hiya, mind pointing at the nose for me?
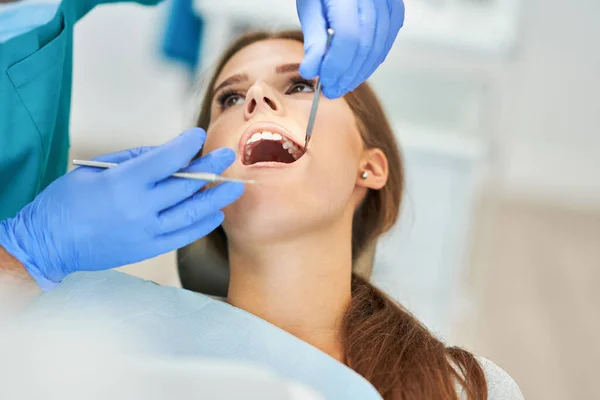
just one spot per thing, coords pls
(261, 99)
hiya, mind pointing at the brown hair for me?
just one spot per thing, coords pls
(382, 341)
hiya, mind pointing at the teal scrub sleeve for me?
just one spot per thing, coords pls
(82, 7)
(35, 95)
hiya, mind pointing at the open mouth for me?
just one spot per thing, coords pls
(268, 146)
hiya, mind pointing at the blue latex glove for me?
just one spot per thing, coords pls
(365, 31)
(93, 219)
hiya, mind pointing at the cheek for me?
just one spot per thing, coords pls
(335, 163)
(338, 144)
(212, 142)
(217, 137)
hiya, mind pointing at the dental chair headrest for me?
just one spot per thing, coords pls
(202, 270)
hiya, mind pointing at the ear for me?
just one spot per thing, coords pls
(373, 170)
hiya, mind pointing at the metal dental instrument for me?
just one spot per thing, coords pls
(315, 104)
(199, 176)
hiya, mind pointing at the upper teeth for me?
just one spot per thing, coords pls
(264, 136)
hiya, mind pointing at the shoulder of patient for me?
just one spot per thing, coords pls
(501, 386)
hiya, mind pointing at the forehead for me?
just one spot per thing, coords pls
(261, 58)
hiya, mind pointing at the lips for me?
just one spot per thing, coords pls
(269, 144)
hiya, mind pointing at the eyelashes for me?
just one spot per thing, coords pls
(224, 100)
(298, 81)
(297, 84)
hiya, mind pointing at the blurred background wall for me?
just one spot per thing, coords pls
(496, 106)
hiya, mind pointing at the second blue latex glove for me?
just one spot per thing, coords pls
(93, 219)
(365, 31)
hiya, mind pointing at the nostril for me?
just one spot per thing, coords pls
(271, 103)
(251, 106)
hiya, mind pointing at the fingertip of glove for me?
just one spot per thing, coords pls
(194, 134)
(236, 190)
(331, 92)
(225, 155)
(192, 139)
(231, 192)
(309, 69)
(227, 152)
(219, 217)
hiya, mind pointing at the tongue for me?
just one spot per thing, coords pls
(270, 151)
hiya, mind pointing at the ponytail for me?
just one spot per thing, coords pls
(396, 353)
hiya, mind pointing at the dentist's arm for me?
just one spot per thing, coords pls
(365, 31)
(17, 287)
(92, 219)
(12, 271)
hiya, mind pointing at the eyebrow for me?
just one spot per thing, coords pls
(239, 78)
(285, 68)
(232, 80)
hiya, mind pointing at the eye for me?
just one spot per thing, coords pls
(229, 99)
(300, 85)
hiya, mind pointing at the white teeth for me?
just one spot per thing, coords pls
(254, 138)
(264, 136)
(291, 146)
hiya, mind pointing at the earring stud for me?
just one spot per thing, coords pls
(365, 175)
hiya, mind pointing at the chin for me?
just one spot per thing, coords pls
(280, 213)
(277, 213)
(258, 230)
(265, 212)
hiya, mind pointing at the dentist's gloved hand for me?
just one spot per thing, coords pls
(93, 219)
(365, 31)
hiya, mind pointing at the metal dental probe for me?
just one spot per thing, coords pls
(315, 104)
(199, 176)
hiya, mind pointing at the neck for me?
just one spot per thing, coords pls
(301, 286)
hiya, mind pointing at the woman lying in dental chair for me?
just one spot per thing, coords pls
(293, 241)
